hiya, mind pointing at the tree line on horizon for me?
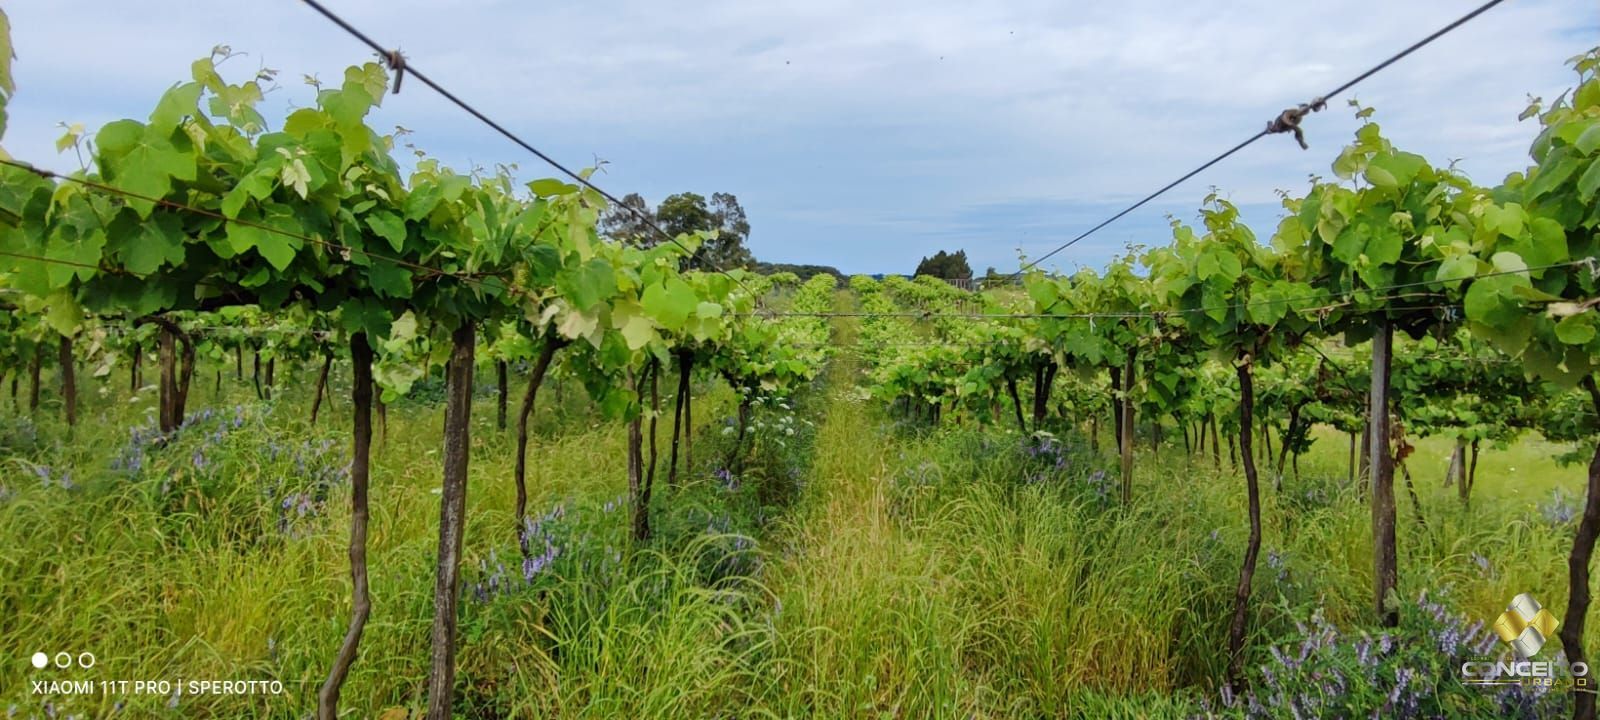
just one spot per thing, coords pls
(689, 212)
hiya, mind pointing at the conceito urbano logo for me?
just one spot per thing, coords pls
(1525, 626)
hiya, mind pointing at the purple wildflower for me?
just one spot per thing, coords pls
(1559, 510)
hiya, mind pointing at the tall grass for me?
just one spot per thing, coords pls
(862, 569)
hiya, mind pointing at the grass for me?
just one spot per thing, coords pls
(856, 568)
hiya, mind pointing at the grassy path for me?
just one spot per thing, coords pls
(860, 628)
(951, 600)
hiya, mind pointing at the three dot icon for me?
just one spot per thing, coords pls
(62, 660)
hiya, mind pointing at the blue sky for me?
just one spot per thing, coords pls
(862, 135)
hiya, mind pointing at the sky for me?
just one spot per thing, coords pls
(861, 135)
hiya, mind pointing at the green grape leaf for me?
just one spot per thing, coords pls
(278, 249)
(159, 241)
(1547, 363)
(1492, 301)
(1392, 170)
(204, 71)
(543, 262)
(548, 187)
(422, 200)
(1556, 168)
(81, 249)
(258, 277)
(242, 237)
(452, 186)
(581, 324)
(1385, 246)
(180, 101)
(1528, 292)
(578, 232)
(1576, 329)
(1267, 308)
(1589, 182)
(278, 245)
(69, 138)
(254, 185)
(1206, 265)
(396, 376)
(237, 104)
(1346, 164)
(1456, 268)
(371, 78)
(638, 331)
(143, 162)
(587, 285)
(1381, 177)
(118, 137)
(1043, 292)
(1508, 220)
(64, 315)
(152, 297)
(8, 85)
(347, 107)
(303, 121)
(1589, 139)
(670, 303)
(365, 314)
(1351, 243)
(403, 329)
(1510, 339)
(1227, 263)
(1406, 166)
(389, 280)
(1546, 243)
(1508, 262)
(389, 227)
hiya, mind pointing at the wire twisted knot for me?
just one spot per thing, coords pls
(1288, 121)
(397, 65)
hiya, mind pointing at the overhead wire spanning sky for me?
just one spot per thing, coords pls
(862, 138)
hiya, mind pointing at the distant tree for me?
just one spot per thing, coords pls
(688, 213)
(958, 267)
(684, 213)
(629, 221)
(728, 250)
(993, 279)
(625, 223)
(945, 265)
(804, 272)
